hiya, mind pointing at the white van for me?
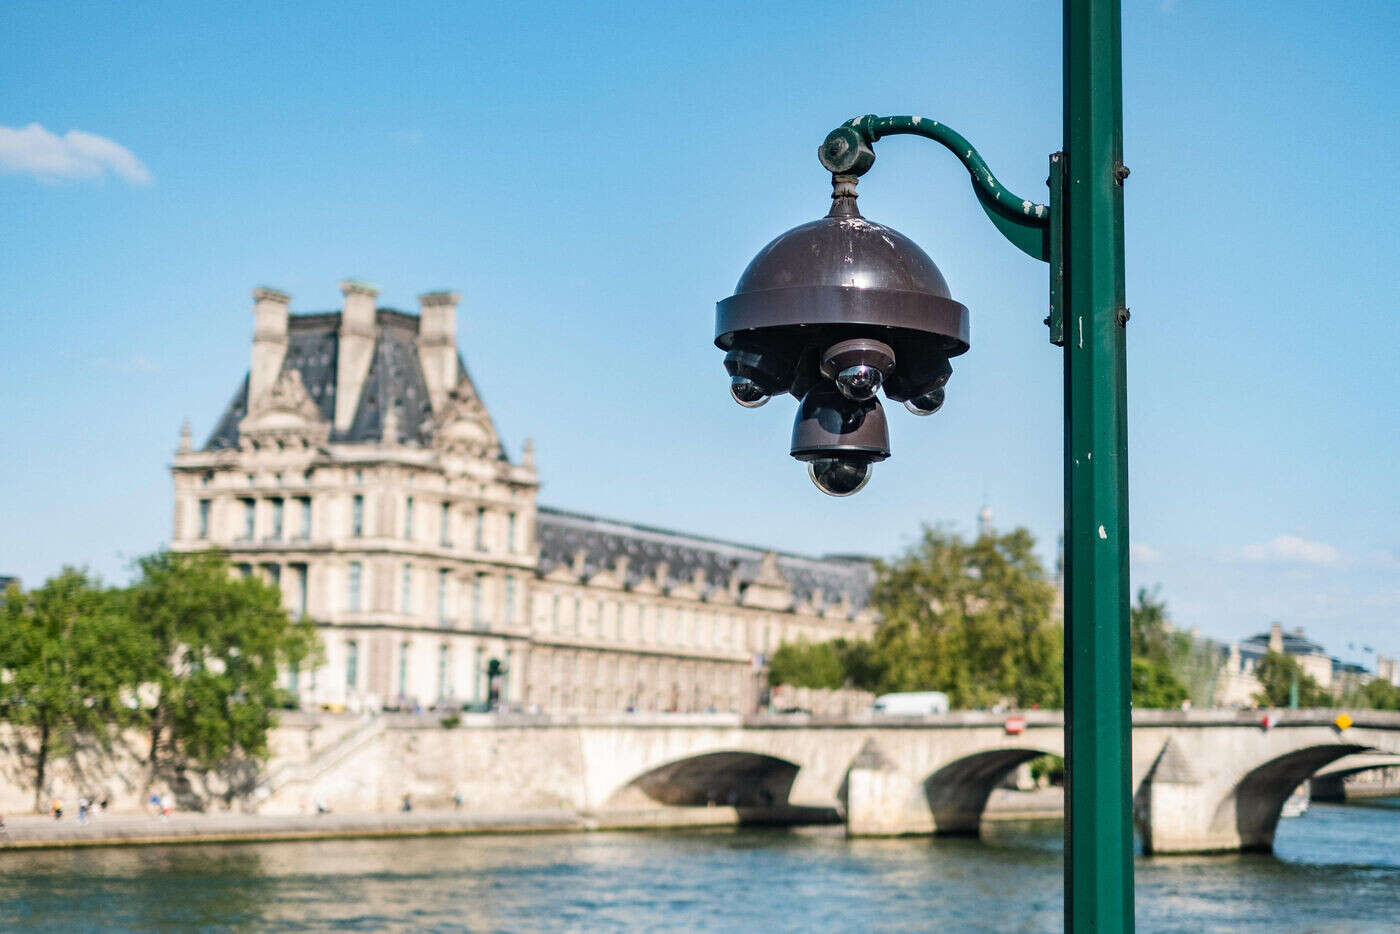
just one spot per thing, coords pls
(911, 703)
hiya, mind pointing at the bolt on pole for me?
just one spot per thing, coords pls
(1098, 826)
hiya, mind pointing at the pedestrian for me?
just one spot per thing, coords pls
(154, 802)
(457, 800)
(167, 805)
(83, 809)
(56, 806)
(407, 804)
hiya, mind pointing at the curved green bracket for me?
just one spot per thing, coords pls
(847, 151)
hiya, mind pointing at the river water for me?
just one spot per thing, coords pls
(1335, 869)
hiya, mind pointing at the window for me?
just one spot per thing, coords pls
(357, 515)
(250, 508)
(406, 589)
(578, 616)
(478, 599)
(442, 596)
(480, 528)
(554, 613)
(601, 632)
(245, 571)
(353, 597)
(359, 476)
(510, 532)
(304, 507)
(299, 587)
(294, 679)
(510, 600)
(352, 665)
(277, 519)
(404, 648)
(274, 574)
(444, 672)
(476, 675)
(408, 518)
(204, 507)
(445, 525)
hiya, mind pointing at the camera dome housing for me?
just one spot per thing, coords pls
(836, 279)
(836, 311)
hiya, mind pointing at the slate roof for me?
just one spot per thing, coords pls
(563, 534)
(395, 379)
(1293, 644)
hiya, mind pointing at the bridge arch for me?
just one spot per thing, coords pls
(957, 793)
(1256, 802)
(728, 778)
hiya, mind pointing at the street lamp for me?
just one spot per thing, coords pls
(839, 309)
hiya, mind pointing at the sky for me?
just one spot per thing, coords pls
(593, 177)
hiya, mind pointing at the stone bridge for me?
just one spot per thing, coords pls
(1202, 780)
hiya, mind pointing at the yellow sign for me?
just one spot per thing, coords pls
(1342, 721)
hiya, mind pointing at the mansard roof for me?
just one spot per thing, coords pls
(563, 535)
(1294, 643)
(395, 379)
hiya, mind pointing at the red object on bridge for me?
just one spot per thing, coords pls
(1267, 722)
(1015, 725)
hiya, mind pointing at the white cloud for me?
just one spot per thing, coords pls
(1290, 549)
(48, 157)
(1143, 553)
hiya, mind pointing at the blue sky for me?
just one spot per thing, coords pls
(593, 178)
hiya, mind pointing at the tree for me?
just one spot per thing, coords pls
(1154, 685)
(1277, 674)
(808, 664)
(970, 619)
(217, 644)
(1379, 694)
(1147, 620)
(72, 662)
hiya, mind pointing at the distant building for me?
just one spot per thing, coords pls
(1238, 684)
(6, 580)
(358, 469)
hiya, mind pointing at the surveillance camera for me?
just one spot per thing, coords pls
(755, 376)
(835, 312)
(840, 438)
(840, 476)
(858, 367)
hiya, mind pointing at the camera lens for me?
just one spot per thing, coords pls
(926, 403)
(746, 392)
(859, 383)
(839, 476)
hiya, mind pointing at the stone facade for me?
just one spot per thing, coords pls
(357, 468)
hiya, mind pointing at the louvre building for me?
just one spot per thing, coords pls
(356, 468)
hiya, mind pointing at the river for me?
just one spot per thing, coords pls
(1335, 869)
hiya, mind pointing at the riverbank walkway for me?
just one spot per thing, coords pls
(34, 832)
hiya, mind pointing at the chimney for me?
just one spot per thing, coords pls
(356, 348)
(1276, 638)
(269, 340)
(437, 343)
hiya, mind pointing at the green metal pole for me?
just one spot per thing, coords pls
(1098, 725)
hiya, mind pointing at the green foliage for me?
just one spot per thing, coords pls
(970, 619)
(1379, 694)
(1051, 766)
(450, 722)
(72, 661)
(1155, 686)
(1277, 673)
(217, 643)
(1172, 657)
(809, 664)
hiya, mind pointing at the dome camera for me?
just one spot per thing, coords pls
(858, 367)
(839, 438)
